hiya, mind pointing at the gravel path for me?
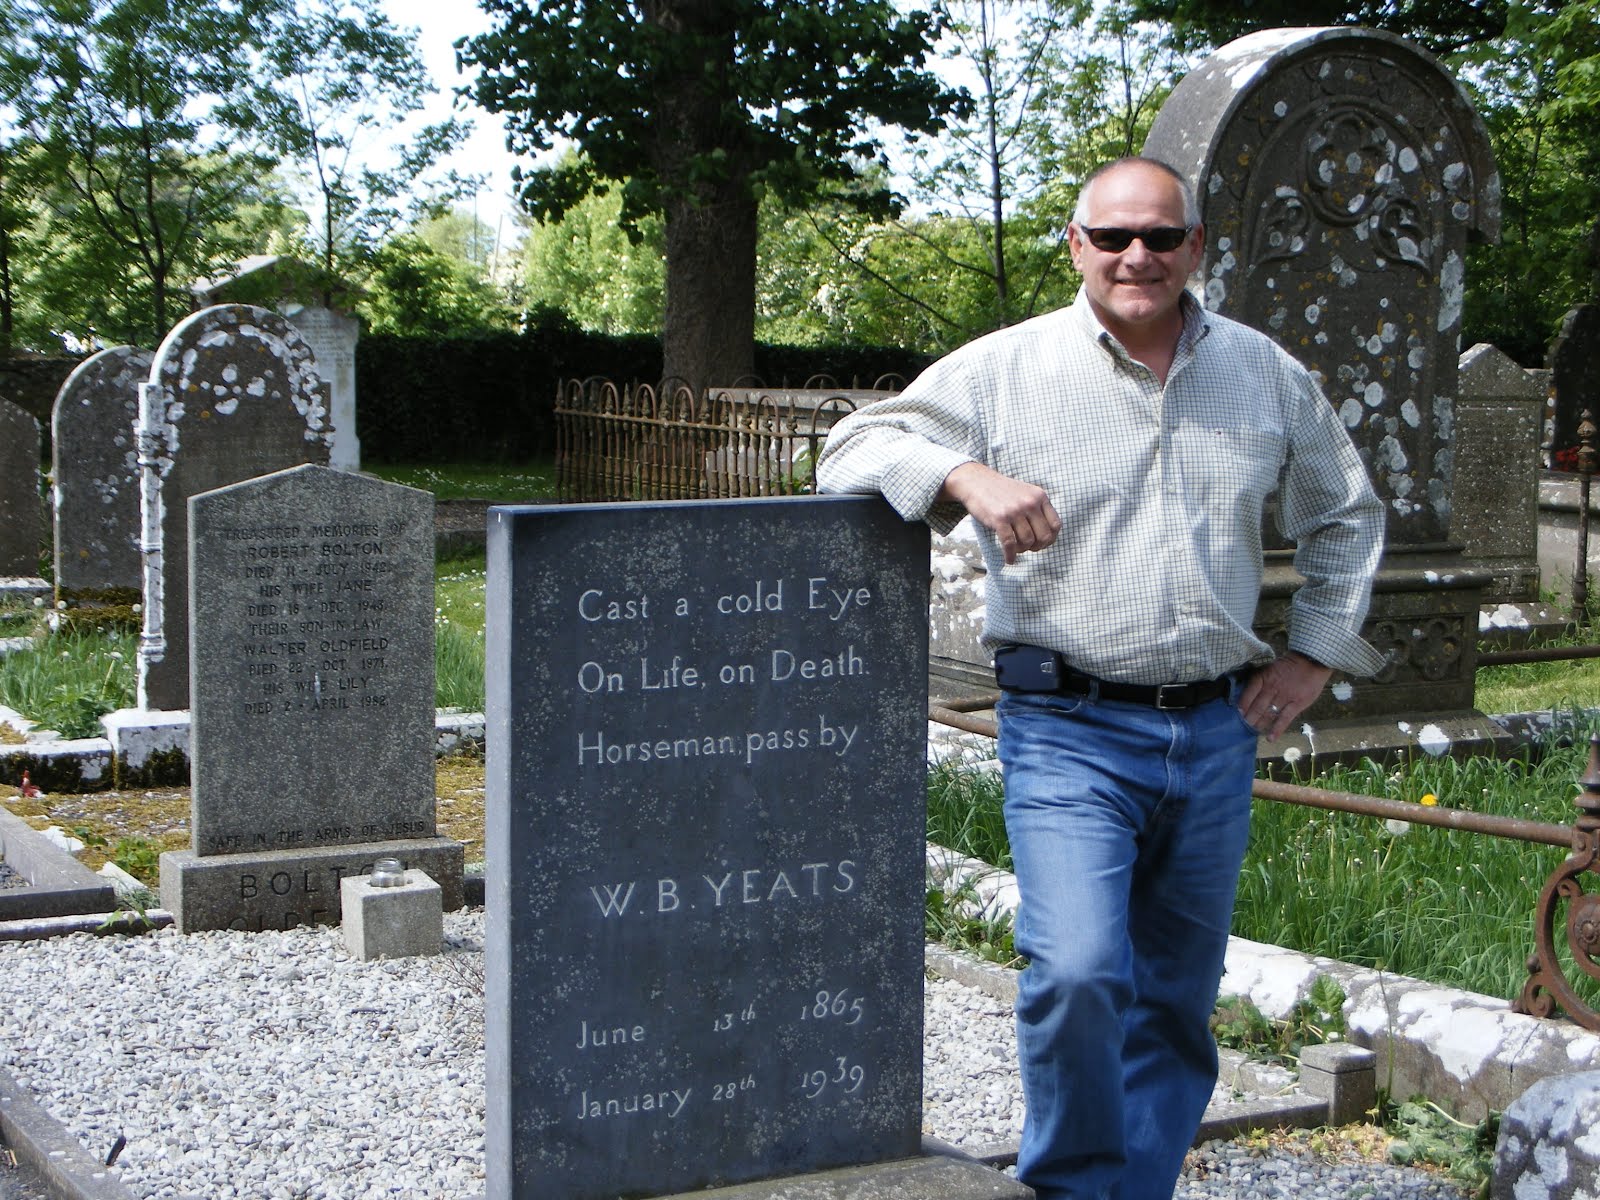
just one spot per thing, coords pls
(274, 1065)
(9, 878)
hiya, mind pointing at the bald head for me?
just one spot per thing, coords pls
(1191, 206)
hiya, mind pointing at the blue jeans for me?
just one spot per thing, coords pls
(1128, 828)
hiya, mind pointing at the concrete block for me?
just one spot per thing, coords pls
(392, 920)
(1549, 1147)
(1345, 1076)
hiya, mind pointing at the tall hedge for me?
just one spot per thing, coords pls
(488, 398)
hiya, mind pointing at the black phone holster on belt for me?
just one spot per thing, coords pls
(1027, 669)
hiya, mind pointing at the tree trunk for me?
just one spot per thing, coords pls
(708, 332)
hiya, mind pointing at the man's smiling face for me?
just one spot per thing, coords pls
(1135, 293)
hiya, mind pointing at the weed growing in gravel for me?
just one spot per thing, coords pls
(1319, 1018)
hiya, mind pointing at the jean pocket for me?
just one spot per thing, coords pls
(1022, 705)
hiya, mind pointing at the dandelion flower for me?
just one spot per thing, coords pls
(1429, 799)
(1397, 828)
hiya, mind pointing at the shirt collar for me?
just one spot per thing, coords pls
(1196, 322)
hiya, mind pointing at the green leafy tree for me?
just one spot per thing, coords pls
(414, 288)
(1538, 91)
(988, 172)
(695, 109)
(1055, 100)
(130, 104)
(1440, 25)
(584, 265)
(341, 77)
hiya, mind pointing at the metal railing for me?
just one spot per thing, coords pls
(637, 442)
(1548, 984)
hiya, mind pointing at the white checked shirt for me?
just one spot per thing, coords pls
(1157, 570)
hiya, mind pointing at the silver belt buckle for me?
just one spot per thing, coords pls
(1177, 690)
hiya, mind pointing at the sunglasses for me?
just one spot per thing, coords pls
(1162, 239)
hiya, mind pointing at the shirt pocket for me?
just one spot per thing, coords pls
(1225, 469)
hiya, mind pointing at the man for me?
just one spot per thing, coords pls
(1116, 456)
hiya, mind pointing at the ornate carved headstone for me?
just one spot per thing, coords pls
(312, 738)
(705, 795)
(97, 473)
(1341, 173)
(231, 396)
(21, 512)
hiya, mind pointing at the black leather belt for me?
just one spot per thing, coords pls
(1157, 695)
(1035, 669)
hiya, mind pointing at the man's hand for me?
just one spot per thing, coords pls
(1280, 692)
(1019, 514)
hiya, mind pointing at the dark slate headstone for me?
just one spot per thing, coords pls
(706, 814)
(1575, 376)
(312, 667)
(231, 396)
(97, 473)
(21, 513)
(1341, 173)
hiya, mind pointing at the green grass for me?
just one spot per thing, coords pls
(458, 633)
(1451, 907)
(68, 681)
(504, 484)
(1529, 687)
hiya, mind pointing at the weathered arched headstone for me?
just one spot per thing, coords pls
(1341, 173)
(231, 396)
(97, 473)
(21, 514)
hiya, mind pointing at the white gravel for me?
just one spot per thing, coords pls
(275, 1066)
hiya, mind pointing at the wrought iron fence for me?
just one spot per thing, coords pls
(637, 442)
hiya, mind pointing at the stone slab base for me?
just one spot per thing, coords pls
(947, 1177)
(1460, 734)
(279, 889)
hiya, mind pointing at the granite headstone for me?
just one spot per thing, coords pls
(1342, 173)
(97, 474)
(1575, 377)
(21, 512)
(706, 812)
(332, 336)
(312, 673)
(231, 395)
(1495, 502)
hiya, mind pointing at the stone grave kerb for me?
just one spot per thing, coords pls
(1341, 173)
(95, 494)
(232, 394)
